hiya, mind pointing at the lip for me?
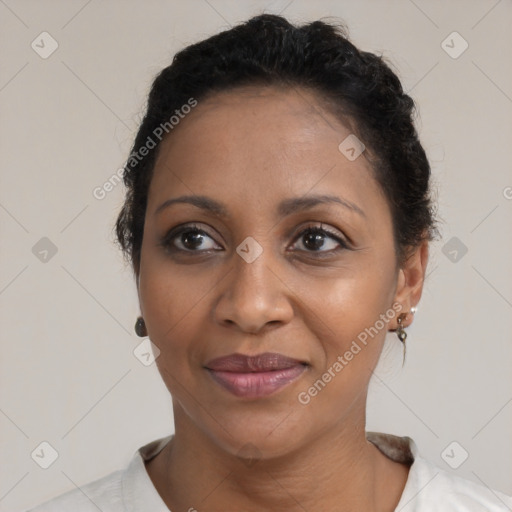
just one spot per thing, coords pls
(255, 376)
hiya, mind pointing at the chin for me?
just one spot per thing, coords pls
(259, 435)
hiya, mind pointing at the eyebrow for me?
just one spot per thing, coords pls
(286, 207)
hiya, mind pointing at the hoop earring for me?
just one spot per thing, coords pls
(140, 327)
(400, 332)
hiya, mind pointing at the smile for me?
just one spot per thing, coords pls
(255, 376)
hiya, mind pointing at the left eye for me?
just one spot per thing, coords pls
(314, 239)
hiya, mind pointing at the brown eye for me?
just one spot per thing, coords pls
(188, 239)
(320, 240)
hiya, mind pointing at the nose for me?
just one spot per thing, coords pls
(253, 296)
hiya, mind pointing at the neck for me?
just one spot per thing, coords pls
(338, 470)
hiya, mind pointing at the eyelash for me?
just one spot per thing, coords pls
(168, 239)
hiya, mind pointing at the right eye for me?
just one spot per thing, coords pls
(187, 239)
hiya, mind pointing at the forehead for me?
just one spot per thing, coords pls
(295, 113)
(255, 145)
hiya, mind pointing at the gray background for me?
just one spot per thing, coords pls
(69, 376)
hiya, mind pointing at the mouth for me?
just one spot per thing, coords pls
(255, 376)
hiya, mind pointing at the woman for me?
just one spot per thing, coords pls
(278, 219)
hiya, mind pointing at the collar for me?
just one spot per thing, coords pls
(139, 493)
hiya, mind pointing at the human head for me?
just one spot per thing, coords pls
(307, 84)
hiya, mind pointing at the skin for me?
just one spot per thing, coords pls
(250, 149)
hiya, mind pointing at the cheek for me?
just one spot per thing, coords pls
(168, 291)
(350, 324)
(174, 303)
(349, 303)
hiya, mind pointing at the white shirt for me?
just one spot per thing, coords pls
(428, 488)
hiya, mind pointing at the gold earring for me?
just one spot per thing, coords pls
(140, 327)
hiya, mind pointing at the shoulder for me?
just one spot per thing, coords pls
(430, 487)
(103, 494)
(445, 491)
(125, 490)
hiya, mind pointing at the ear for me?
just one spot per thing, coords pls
(411, 277)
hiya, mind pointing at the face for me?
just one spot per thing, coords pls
(266, 263)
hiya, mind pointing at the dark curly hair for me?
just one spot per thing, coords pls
(357, 86)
